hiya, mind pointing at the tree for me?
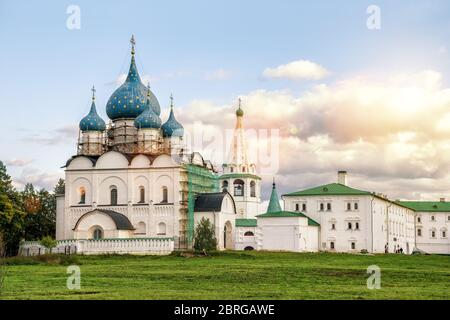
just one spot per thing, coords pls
(205, 239)
(40, 209)
(60, 187)
(49, 243)
(12, 222)
(11, 215)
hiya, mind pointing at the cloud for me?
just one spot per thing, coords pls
(62, 135)
(38, 178)
(392, 135)
(217, 75)
(297, 70)
(18, 162)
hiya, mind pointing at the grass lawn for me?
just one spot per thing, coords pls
(231, 275)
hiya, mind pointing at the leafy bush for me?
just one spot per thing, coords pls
(48, 242)
(205, 239)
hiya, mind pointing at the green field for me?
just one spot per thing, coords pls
(230, 275)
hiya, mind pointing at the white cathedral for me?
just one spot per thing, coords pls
(133, 187)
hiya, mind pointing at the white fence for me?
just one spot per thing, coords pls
(144, 246)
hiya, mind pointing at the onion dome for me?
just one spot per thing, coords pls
(239, 111)
(130, 99)
(148, 119)
(172, 128)
(92, 122)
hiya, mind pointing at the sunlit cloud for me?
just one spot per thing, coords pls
(297, 70)
(391, 134)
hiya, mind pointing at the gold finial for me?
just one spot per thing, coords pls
(171, 101)
(148, 89)
(133, 42)
(239, 102)
(93, 93)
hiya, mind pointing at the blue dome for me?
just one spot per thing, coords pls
(148, 119)
(129, 100)
(92, 122)
(172, 128)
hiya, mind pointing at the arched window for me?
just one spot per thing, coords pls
(165, 197)
(113, 191)
(238, 188)
(249, 234)
(161, 229)
(444, 233)
(140, 228)
(225, 186)
(141, 194)
(97, 234)
(82, 196)
(252, 189)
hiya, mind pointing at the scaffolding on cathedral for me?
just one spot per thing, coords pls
(199, 180)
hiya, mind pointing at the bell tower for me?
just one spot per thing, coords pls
(239, 176)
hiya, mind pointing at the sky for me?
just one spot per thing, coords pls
(340, 95)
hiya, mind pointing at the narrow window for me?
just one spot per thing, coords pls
(353, 246)
(357, 226)
(432, 218)
(349, 206)
(303, 207)
(433, 234)
(113, 196)
(419, 232)
(321, 207)
(252, 189)
(356, 206)
(141, 194)
(349, 226)
(164, 195)
(297, 207)
(331, 245)
(444, 234)
(82, 196)
(328, 206)
(333, 226)
(418, 219)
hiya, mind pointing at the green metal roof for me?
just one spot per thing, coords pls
(245, 222)
(288, 214)
(274, 203)
(427, 206)
(240, 175)
(332, 189)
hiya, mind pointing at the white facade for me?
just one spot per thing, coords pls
(432, 232)
(355, 223)
(287, 234)
(157, 181)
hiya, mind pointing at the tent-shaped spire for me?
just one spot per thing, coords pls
(274, 203)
